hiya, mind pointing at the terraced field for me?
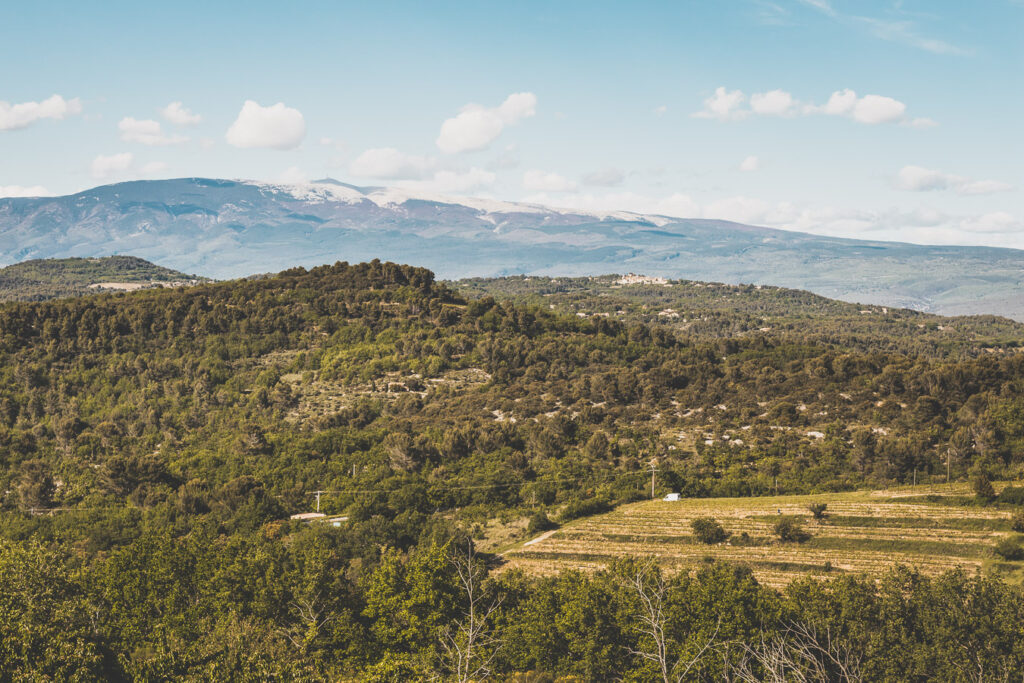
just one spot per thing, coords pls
(931, 528)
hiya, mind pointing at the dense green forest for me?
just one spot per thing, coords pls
(41, 279)
(153, 444)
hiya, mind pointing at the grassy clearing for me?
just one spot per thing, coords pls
(933, 528)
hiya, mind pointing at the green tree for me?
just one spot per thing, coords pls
(788, 529)
(410, 602)
(708, 530)
(45, 629)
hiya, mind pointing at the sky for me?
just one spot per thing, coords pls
(896, 120)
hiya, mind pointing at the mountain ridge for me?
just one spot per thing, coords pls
(232, 228)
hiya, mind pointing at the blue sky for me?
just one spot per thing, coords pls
(881, 120)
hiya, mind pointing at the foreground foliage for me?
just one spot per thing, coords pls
(255, 608)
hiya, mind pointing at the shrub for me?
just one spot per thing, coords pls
(1009, 548)
(983, 488)
(585, 508)
(1017, 524)
(708, 531)
(818, 510)
(788, 530)
(1012, 495)
(539, 523)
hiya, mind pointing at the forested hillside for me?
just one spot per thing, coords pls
(152, 445)
(697, 311)
(41, 279)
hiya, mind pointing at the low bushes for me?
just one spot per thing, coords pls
(708, 531)
(788, 530)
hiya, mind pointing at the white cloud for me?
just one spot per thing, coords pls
(749, 210)
(773, 103)
(541, 181)
(147, 132)
(180, 115)
(273, 127)
(840, 103)
(24, 191)
(724, 105)
(475, 126)
(903, 32)
(508, 159)
(870, 109)
(751, 163)
(452, 181)
(15, 116)
(293, 175)
(608, 177)
(918, 179)
(153, 168)
(823, 5)
(874, 109)
(389, 164)
(660, 110)
(676, 204)
(984, 187)
(919, 225)
(996, 221)
(897, 31)
(727, 105)
(105, 166)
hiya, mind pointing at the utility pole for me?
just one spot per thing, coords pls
(317, 494)
(654, 469)
(949, 455)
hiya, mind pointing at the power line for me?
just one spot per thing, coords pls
(482, 486)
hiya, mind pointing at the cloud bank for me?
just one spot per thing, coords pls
(387, 163)
(24, 191)
(734, 105)
(918, 179)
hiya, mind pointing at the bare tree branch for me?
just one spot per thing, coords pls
(470, 643)
(650, 588)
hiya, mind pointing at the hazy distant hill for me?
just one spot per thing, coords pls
(41, 279)
(226, 228)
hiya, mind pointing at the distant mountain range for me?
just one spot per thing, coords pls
(228, 228)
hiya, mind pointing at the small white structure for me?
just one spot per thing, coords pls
(320, 518)
(308, 516)
(634, 279)
(671, 497)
